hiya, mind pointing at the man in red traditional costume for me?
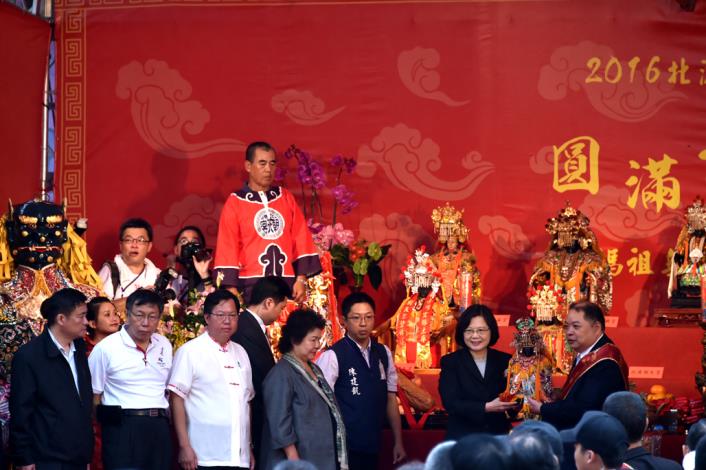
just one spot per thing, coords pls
(262, 231)
(598, 371)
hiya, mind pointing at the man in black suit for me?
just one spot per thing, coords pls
(630, 409)
(52, 400)
(598, 371)
(267, 300)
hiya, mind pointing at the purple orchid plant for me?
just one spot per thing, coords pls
(313, 179)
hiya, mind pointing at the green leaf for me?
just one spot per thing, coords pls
(360, 267)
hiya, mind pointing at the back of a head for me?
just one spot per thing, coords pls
(549, 432)
(440, 457)
(531, 449)
(480, 452)
(696, 432)
(295, 465)
(269, 287)
(630, 410)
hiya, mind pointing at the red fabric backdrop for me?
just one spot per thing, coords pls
(462, 101)
(24, 48)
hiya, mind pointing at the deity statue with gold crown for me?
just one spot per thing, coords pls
(321, 298)
(573, 268)
(40, 254)
(688, 263)
(421, 315)
(460, 278)
(529, 373)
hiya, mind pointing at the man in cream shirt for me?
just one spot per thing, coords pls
(211, 388)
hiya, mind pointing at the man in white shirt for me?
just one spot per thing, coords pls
(130, 270)
(129, 371)
(211, 388)
(362, 374)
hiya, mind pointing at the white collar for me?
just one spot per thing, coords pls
(362, 349)
(72, 348)
(580, 356)
(127, 339)
(216, 345)
(259, 320)
(123, 267)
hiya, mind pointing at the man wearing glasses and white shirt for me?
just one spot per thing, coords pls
(211, 388)
(129, 373)
(130, 270)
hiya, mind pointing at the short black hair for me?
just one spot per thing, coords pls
(250, 151)
(630, 410)
(591, 311)
(194, 228)
(136, 222)
(144, 297)
(546, 430)
(63, 302)
(218, 296)
(269, 287)
(532, 450)
(299, 324)
(481, 451)
(696, 432)
(356, 298)
(469, 314)
(94, 306)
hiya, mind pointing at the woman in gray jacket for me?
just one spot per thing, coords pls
(303, 419)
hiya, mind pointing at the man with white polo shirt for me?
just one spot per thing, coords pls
(129, 371)
(211, 388)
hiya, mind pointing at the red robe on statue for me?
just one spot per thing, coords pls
(263, 233)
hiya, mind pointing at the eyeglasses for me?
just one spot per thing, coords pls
(133, 241)
(358, 319)
(476, 331)
(224, 316)
(140, 317)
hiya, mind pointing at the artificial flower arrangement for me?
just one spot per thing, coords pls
(183, 323)
(352, 259)
(545, 302)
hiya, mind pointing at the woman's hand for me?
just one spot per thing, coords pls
(497, 406)
(202, 267)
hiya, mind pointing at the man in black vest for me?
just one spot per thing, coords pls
(52, 400)
(267, 299)
(363, 376)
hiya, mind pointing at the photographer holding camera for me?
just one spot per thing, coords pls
(192, 263)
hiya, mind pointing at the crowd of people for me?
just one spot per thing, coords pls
(224, 401)
(92, 391)
(330, 416)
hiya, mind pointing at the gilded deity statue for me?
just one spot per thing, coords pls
(529, 373)
(40, 254)
(321, 298)
(688, 264)
(573, 268)
(460, 278)
(421, 316)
